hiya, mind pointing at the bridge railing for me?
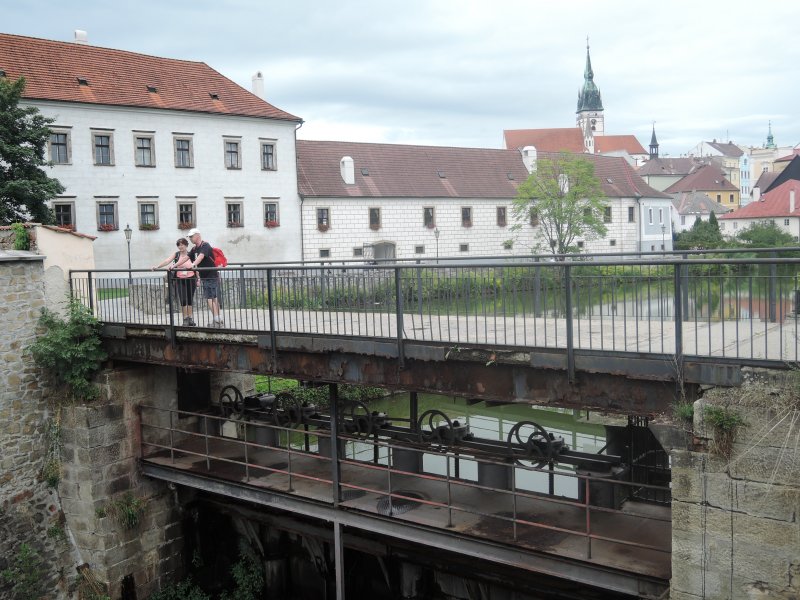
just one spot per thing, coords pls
(737, 308)
(526, 504)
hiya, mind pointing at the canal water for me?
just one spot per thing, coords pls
(492, 423)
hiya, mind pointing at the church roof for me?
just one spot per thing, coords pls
(611, 143)
(555, 139)
(70, 72)
(775, 203)
(706, 178)
(589, 96)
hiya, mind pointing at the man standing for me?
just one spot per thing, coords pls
(202, 256)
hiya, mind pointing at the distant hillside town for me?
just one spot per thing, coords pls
(159, 146)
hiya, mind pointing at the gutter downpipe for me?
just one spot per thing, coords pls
(299, 195)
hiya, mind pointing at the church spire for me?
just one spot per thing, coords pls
(589, 95)
(770, 139)
(654, 143)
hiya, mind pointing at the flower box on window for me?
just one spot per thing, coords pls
(271, 224)
(148, 227)
(185, 225)
(67, 226)
(235, 224)
(107, 227)
(374, 226)
(430, 225)
(323, 227)
(467, 223)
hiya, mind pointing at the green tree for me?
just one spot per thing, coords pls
(764, 235)
(24, 187)
(564, 199)
(704, 235)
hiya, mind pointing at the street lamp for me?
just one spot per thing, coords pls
(663, 242)
(436, 235)
(128, 232)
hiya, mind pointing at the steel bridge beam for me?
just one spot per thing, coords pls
(514, 376)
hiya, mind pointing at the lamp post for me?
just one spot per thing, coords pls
(663, 242)
(436, 235)
(128, 232)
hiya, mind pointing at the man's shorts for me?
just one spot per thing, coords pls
(210, 287)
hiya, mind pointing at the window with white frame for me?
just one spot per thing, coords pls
(271, 215)
(419, 249)
(786, 222)
(357, 252)
(374, 218)
(683, 219)
(268, 155)
(607, 214)
(631, 214)
(60, 151)
(323, 218)
(428, 217)
(463, 247)
(148, 213)
(502, 220)
(65, 214)
(466, 216)
(324, 252)
(233, 154)
(107, 215)
(661, 216)
(612, 242)
(186, 214)
(650, 216)
(103, 147)
(184, 152)
(234, 213)
(144, 150)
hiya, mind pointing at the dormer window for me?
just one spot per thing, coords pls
(83, 81)
(441, 174)
(152, 89)
(214, 96)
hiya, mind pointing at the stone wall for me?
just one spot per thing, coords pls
(736, 521)
(29, 509)
(100, 468)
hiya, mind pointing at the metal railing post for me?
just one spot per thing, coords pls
(205, 428)
(449, 495)
(399, 316)
(419, 292)
(773, 278)
(568, 317)
(588, 522)
(537, 290)
(242, 290)
(679, 318)
(171, 284)
(271, 309)
(171, 439)
(91, 294)
(333, 395)
(685, 288)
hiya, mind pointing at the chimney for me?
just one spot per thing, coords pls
(529, 158)
(791, 200)
(81, 37)
(258, 85)
(348, 170)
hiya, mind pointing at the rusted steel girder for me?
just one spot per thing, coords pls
(512, 377)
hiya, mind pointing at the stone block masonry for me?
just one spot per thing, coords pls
(736, 521)
(30, 512)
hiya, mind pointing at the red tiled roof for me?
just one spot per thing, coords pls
(120, 78)
(706, 178)
(668, 166)
(774, 203)
(405, 171)
(557, 139)
(612, 143)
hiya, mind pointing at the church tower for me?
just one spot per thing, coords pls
(590, 106)
(770, 139)
(654, 144)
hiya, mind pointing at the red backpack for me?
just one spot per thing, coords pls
(220, 260)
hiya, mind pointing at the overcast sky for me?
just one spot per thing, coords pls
(458, 73)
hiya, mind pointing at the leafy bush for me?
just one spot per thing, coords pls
(725, 422)
(684, 411)
(22, 240)
(127, 510)
(185, 590)
(248, 577)
(70, 349)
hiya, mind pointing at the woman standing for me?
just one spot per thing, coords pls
(185, 282)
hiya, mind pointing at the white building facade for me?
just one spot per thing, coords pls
(172, 146)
